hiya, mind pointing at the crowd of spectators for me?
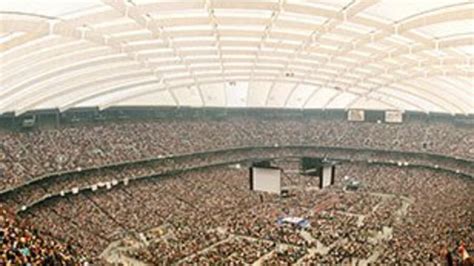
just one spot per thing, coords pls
(27, 155)
(99, 178)
(236, 251)
(400, 214)
(23, 244)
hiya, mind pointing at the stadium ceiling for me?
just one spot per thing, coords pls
(371, 54)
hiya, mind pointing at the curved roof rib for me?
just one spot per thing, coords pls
(271, 53)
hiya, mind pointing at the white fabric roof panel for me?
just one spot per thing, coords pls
(406, 55)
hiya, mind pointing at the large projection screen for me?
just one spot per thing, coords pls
(326, 176)
(266, 179)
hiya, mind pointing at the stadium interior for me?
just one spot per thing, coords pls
(236, 132)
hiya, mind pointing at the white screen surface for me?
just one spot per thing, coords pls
(327, 173)
(266, 179)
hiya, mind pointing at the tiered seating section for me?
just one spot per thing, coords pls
(24, 156)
